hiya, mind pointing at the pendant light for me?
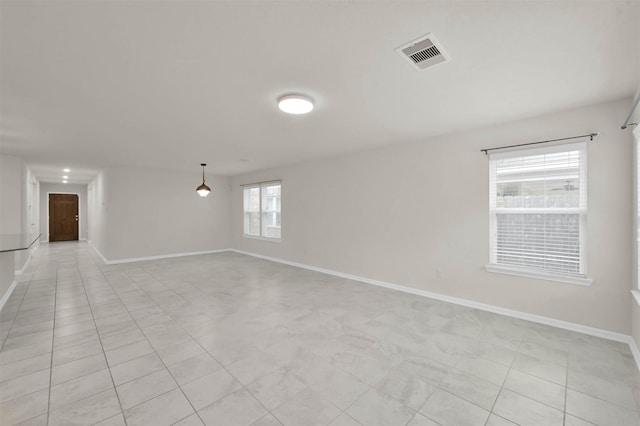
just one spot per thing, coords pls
(203, 190)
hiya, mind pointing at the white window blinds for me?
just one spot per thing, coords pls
(252, 210)
(538, 209)
(262, 211)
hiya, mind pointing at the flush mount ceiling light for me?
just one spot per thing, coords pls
(64, 181)
(203, 190)
(65, 177)
(66, 170)
(295, 104)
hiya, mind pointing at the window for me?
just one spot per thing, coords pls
(538, 211)
(262, 212)
(637, 143)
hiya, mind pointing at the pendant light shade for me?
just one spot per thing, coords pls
(203, 190)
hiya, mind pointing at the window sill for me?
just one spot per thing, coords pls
(257, 237)
(636, 295)
(499, 269)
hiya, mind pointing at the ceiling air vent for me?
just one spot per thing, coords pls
(424, 52)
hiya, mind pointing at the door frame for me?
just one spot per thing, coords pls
(79, 216)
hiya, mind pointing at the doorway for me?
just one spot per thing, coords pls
(63, 217)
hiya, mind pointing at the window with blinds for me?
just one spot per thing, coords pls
(262, 211)
(538, 209)
(638, 206)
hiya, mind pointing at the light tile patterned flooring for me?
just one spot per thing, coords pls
(227, 339)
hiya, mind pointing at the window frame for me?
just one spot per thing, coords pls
(636, 135)
(261, 211)
(580, 278)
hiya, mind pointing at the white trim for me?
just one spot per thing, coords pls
(24, 266)
(500, 269)
(104, 259)
(634, 351)
(636, 215)
(31, 251)
(636, 295)
(579, 328)
(79, 217)
(164, 256)
(7, 294)
(592, 331)
(158, 257)
(258, 237)
(257, 184)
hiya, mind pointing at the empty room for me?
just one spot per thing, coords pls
(320, 212)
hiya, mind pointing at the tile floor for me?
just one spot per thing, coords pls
(227, 339)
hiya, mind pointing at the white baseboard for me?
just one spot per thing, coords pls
(104, 259)
(579, 328)
(7, 294)
(592, 331)
(162, 256)
(26, 263)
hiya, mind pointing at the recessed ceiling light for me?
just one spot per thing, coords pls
(64, 181)
(65, 177)
(66, 170)
(295, 104)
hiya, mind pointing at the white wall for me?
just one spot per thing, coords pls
(150, 213)
(7, 273)
(18, 211)
(18, 201)
(409, 213)
(10, 214)
(32, 214)
(10, 194)
(635, 322)
(61, 188)
(96, 207)
(29, 212)
(635, 305)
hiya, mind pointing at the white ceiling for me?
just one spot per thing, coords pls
(169, 85)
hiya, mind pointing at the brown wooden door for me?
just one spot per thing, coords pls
(63, 217)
